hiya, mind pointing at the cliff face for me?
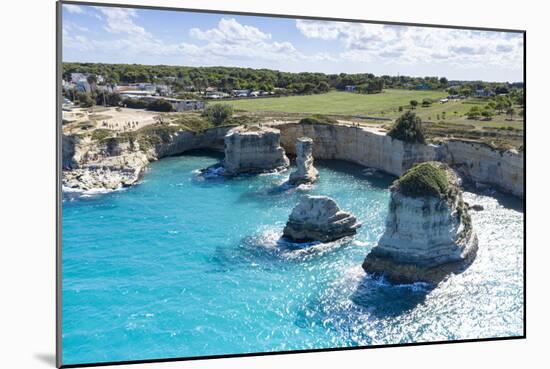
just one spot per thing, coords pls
(305, 171)
(253, 150)
(367, 147)
(427, 235)
(364, 146)
(117, 162)
(319, 218)
(480, 163)
(358, 145)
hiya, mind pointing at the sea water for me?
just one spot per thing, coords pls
(181, 265)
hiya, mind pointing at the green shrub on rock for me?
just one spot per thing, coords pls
(425, 179)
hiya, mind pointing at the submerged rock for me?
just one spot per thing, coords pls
(305, 172)
(477, 207)
(253, 150)
(319, 218)
(428, 231)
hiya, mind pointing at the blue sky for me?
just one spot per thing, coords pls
(143, 36)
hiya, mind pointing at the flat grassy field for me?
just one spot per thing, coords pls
(337, 103)
(383, 105)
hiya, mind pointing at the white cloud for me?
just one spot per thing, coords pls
(231, 31)
(350, 46)
(73, 9)
(232, 39)
(120, 20)
(71, 27)
(364, 42)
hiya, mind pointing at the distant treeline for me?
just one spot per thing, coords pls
(226, 79)
(231, 78)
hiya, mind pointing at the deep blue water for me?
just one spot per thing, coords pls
(181, 266)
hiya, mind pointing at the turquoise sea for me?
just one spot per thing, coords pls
(181, 266)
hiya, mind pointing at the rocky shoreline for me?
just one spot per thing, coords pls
(117, 162)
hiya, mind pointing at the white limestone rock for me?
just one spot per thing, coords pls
(427, 237)
(305, 172)
(319, 218)
(372, 148)
(253, 150)
(111, 173)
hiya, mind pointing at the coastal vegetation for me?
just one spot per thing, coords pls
(218, 113)
(318, 119)
(408, 128)
(425, 179)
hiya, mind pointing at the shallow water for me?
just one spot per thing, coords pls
(183, 266)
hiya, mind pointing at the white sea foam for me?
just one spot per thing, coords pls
(90, 192)
(210, 173)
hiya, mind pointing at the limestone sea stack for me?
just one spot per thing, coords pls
(319, 218)
(428, 231)
(253, 150)
(305, 172)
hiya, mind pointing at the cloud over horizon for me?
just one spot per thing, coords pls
(139, 36)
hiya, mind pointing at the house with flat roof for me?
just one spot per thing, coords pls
(350, 88)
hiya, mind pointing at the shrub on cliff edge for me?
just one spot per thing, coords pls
(318, 119)
(425, 179)
(218, 113)
(408, 128)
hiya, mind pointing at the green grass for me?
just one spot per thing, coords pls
(383, 105)
(337, 103)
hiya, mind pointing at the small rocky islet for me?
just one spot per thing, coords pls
(319, 218)
(429, 232)
(305, 172)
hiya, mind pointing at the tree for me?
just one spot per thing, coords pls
(134, 103)
(426, 102)
(487, 114)
(323, 87)
(452, 91)
(408, 128)
(510, 112)
(414, 104)
(160, 105)
(474, 113)
(108, 98)
(85, 100)
(503, 103)
(218, 113)
(92, 81)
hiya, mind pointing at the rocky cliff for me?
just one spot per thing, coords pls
(115, 162)
(253, 150)
(428, 231)
(476, 162)
(319, 218)
(480, 163)
(305, 171)
(372, 148)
